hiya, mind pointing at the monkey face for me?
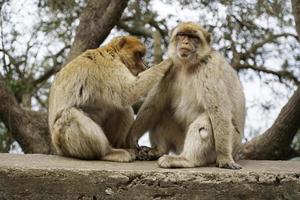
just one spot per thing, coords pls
(131, 53)
(188, 39)
(139, 65)
(187, 43)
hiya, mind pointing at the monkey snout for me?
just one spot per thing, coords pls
(185, 40)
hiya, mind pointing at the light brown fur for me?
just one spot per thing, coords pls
(198, 109)
(90, 100)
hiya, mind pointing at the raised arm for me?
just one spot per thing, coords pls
(141, 85)
(149, 113)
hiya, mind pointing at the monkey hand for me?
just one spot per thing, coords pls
(164, 66)
(147, 153)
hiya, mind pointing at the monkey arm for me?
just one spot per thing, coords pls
(148, 114)
(219, 108)
(139, 87)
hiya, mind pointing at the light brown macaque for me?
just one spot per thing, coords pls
(90, 100)
(197, 110)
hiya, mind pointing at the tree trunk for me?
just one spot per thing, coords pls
(157, 51)
(296, 13)
(274, 144)
(30, 129)
(96, 22)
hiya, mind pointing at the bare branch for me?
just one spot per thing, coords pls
(29, 128)
(96, 22)
(138, 31)
(271, 38)
(296, 13)
(127, 18)
(52, 70)
(40, 101)
(12, 60)
(157, 51)
(2, 43)
(29, 46)
(280, 74)
(275, 142)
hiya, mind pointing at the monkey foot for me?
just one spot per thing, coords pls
(168, 161)
(147, 153)
(229, 165)
(119, 155)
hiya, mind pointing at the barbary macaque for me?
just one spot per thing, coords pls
(197, 110)
(90, 100)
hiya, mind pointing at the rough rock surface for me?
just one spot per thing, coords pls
(54, 177)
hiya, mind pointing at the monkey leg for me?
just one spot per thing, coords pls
(198, 149)
(166, 136)
(117, 126)
(225, 149)
(76, 135)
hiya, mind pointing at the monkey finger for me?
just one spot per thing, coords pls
(147, 153)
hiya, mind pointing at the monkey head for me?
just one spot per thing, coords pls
(189, 42)
(131, 52)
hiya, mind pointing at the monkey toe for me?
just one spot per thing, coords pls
(165, 161)
(127, 158)
(142, 155)
(229, 165)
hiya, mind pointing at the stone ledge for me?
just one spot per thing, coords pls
(52, 177)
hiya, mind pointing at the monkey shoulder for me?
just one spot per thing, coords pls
(222, 86)
(218, 69)
(84, 79)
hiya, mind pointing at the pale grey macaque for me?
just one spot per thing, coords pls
(197, 110)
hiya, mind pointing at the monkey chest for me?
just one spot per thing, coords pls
(187, 100)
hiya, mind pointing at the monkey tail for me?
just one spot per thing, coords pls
(76, 135)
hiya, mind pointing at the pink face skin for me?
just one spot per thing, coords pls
(187, 44)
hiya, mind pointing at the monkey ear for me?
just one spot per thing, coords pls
(122, 42)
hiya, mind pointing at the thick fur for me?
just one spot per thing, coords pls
(197, 110)
(90, 100)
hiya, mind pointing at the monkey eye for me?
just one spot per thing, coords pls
(188, 35)
(179, 35)
(139, 54)
(196, 39)
(193, 36)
